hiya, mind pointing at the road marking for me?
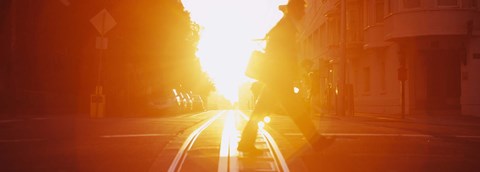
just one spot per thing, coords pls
(385, 118)
(272, 146)
(386, 135)
(393, 135)
(228, 155)
(135, 135)
(39, 118)
(192, 115)
(20, 140)
(293, 134)
(469, 137)
(198, 114)
(376, 135)
(9, 120)
(179, 159)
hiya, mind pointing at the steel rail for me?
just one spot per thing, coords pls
(182, 153)
(278, 158)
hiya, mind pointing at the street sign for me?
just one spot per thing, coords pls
(97, 103)
(103, 22)
(65, 2)
(96, 99)
(101, 43)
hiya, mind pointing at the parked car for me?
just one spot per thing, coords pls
(187, 99)
(197, 103)
(166, 102)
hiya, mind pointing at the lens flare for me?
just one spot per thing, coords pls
(267, 119)
(261, 124)
(296, 90)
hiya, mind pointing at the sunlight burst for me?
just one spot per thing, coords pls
(229, 32)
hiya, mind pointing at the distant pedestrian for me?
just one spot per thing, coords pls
(278, 83)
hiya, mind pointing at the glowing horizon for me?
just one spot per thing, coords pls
(227, 38)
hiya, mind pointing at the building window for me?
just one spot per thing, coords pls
(447, 2)
(354, 22)
(316, 42)
(366, 13)
(383, 72)
(357, 80)
(333, 30)
(411, 3)
(311, 45)
(321, 37)
(366, 76)
(379, 11)
(470, 3)
(302, 47)
(390, 6)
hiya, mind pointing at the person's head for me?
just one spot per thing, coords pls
(294, 8)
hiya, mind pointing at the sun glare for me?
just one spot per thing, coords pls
(230, 32)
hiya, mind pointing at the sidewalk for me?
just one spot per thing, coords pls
(430, 119)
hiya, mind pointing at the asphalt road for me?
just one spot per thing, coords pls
(54, 143)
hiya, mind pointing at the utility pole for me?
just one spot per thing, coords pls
(342, 59)
(10, 66)
(402, 76)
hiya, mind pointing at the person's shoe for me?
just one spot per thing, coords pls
(249, 150)
(322, 144)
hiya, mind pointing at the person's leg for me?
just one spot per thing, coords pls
(250, 130)
(298, 110)
(249, 133)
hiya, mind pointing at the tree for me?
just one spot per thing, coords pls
(152, 47)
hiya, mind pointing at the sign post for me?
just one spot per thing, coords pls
(97, 103)
(402, 76)
(103, 22)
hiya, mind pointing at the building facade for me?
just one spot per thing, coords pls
(437, 42)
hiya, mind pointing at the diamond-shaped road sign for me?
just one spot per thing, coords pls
(103, 22)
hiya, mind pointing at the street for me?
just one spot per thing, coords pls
(169, 85)
(207, 142)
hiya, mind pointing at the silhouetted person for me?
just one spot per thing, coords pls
(256, 89)
(278, 87)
